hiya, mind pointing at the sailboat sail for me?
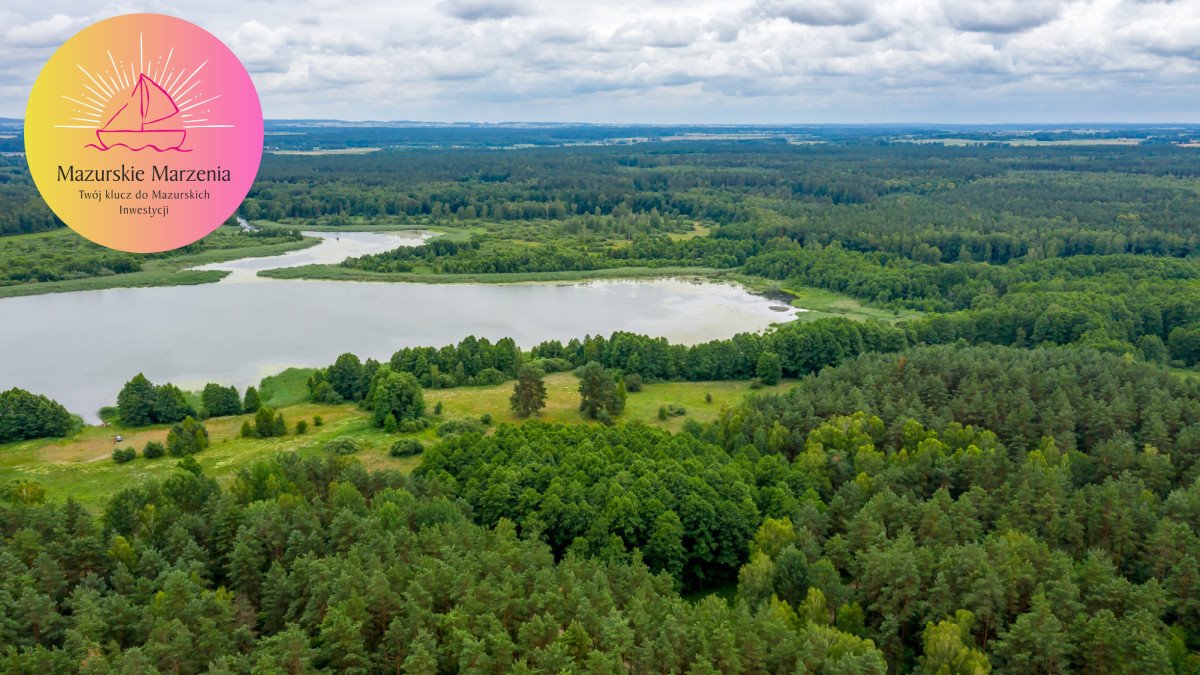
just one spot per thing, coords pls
(148, 119)
(156, 103)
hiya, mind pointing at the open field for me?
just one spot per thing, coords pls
(1027, 142)
(820, 303)
(823, 304)
(81, 466)
(336, 151)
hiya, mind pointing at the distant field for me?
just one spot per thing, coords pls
(822, 304)
(337, 151)
(1026, 142)
(82, 467)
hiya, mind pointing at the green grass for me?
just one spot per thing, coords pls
(81, 466)
(169, 271)
(562, 403)
(822, 304)
(285, 389)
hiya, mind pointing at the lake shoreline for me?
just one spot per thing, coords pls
(159, 273)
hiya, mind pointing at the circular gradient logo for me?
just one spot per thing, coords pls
(143, 133)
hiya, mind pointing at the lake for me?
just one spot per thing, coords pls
(80, 348)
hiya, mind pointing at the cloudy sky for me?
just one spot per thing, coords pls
(693, 61)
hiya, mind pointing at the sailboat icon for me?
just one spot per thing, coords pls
(150, 119)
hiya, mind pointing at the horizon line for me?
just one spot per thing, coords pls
(433, 123)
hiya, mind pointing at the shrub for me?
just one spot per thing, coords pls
(389, 423)
(490, 376)
(318, 421)
(123, 455)
(463, 426)
(268, 423)
(406, 447)
(301, 428)
(153, 450)
(247, 430)
(437, 408)
(411, 426)
(325, 393)
(708, 397)
(671, 410)
(186, 438)
(342, 446)
(554, 365)
(395, 393)
(633, 382)
(486, 419)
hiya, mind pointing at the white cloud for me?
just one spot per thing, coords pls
(479, 10)
(817, 12)
(1001, 16)
(45, 33)
(677, 60)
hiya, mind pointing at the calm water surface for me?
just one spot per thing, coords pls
(79, 348)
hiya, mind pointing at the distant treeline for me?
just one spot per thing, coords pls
(450, 257)
(22, 209)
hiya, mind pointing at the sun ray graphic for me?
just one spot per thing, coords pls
(139, 101)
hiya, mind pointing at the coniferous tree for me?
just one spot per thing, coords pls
(136, 402)
(599, 394)
(529, 393)
(251, 403)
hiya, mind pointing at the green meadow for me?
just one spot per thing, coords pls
(82, 467)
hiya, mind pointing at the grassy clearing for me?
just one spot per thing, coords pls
(698, 230)
(81, 466)
(821, 304)
(562, 402)
(285, 389)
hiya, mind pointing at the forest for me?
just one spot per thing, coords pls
(996, 469)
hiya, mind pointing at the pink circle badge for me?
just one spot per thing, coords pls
(144, 133)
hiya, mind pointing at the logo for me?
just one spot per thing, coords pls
(143, 133)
